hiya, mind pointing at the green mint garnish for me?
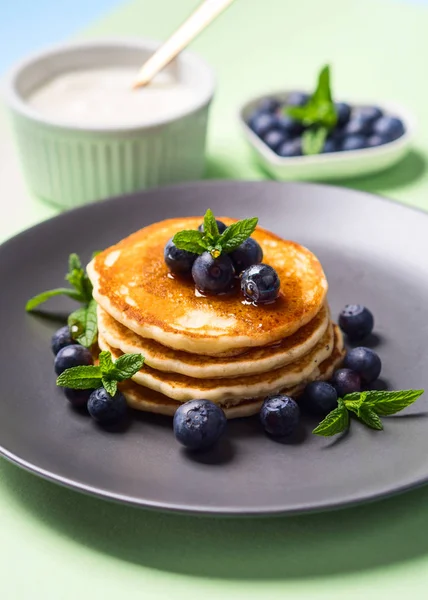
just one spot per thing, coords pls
(335, 422)
(83, 321)
(368, 407)
(313, 139)
(107, 373)
(83, 324)
(318, 114)
(210, 240)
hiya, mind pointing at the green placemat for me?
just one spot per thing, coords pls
(57, 544)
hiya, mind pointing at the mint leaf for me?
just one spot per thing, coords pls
(78, 278)
(369, 417)
(74, 262)
(237, 233)
(190, 240)
(335, 422)
(81, 378)
(390, 403)
(106, 363)
(210, 227)
(127, 365)
(83, 324)
(323, 90)
(110, 385)
(40, 298)
(313, 140)
(320, 109)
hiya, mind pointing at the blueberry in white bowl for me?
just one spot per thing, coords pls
(324, 137)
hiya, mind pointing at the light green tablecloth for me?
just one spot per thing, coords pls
(57, 544)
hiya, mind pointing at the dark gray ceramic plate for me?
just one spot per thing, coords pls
(374, 252)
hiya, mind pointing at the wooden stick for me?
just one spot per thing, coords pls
(197, 22)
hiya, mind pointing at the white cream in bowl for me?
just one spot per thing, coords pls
(84, 133)
(105, 97)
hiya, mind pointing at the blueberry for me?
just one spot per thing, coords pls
(77, 398)
(74, 355)
(343, 112)
(179, 262)
(260, 283)
(61, 339)
(274, 138)
(365, 362)
(269, 105)
(319, 398)
(247, 254)
(107, 409)
(369, 113)
(199, 424)
(220, 225)
(291, 148)
(288, 125)
(376, 140)
(297, 99)
(213, 274)
(346, 382)
(390, 128)
(279, 415)
(330, 145)
(353, 142)
(262, 123)
(357, 126)
(356, 321)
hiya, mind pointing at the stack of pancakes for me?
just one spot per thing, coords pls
(220, 348)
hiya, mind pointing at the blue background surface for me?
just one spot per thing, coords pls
(27, 25)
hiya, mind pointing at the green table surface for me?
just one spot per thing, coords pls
(58, 544)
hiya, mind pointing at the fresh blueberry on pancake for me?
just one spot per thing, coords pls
(179, 262)
(213, 275)
(260, 283)
(247, 254)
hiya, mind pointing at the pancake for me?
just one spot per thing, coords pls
(144, 399)
(182, 388)
(251, 362)
(132, 284)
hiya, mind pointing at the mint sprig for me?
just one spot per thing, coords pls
(368, 407)
(313, 140)
(83, 321)
(319, 114)
(107, 373)
(83, 324)
(210, 240)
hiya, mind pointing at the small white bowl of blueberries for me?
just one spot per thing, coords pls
(297, 135)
